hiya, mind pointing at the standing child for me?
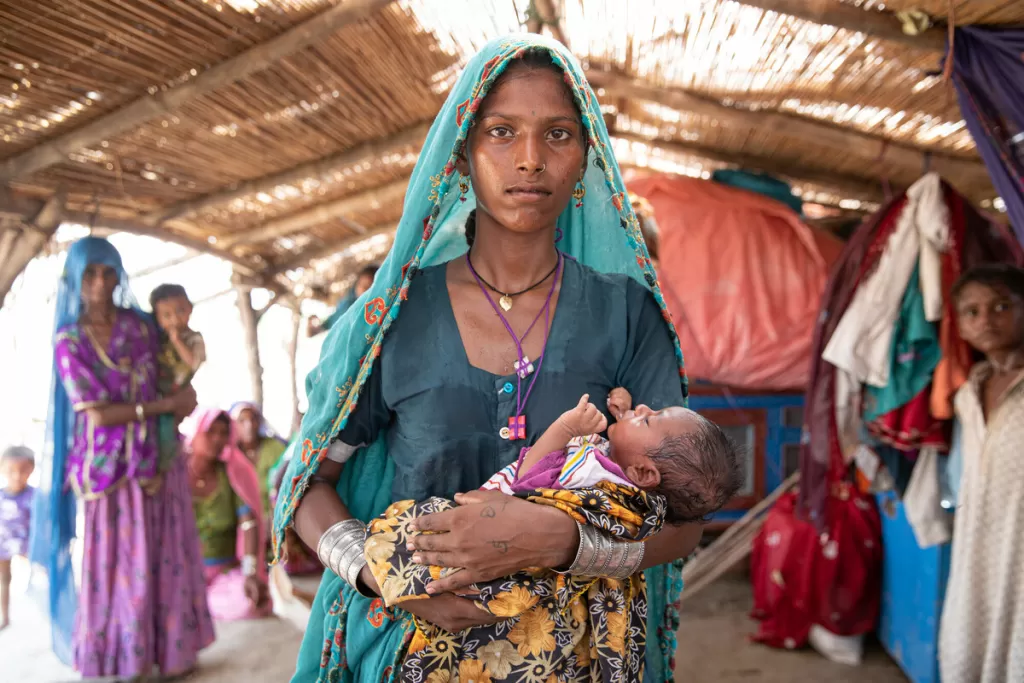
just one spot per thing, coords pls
(182, 351)
(16, 465)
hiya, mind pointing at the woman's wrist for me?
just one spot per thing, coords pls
(562, 538)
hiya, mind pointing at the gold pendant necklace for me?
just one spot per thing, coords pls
(505, 301)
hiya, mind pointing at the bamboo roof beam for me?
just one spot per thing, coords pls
(369, 151)
(143, 109)
(869, 22)
(550, 17)
(26, 207)
(25, 244)
(854, 187)
(842, 140)
(321, 213)
(324, 250)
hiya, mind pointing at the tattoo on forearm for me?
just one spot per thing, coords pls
(488, 512)
(500, 546)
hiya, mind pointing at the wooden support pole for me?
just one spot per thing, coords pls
(844, 141)
(869, 22)
(237, 68)
(370, 151)
(321, 213)
(854, 187)
(293, 371)
(250, 325)
(29, 240)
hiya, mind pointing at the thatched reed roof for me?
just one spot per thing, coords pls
(280, 133)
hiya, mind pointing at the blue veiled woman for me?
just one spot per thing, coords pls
(555, 298)
(142, 605)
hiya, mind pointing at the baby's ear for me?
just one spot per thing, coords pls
(644, 474)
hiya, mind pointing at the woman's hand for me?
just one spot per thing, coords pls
(492, 535)
(152, 486)
(451, 613)
(256, 591)
(183, 403)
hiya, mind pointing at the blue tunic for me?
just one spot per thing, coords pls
(444, 416)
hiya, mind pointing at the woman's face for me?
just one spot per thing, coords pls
(98, 285)
(525, 150)
(363, 283)
(214, 440)
(248, 426)
(991, 318)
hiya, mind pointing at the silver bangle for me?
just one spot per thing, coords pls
(140, 412)
(341, 549)
(599, 555)
(248, 565)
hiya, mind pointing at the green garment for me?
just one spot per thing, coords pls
(267, 457)
(217, 518)
(915, 353)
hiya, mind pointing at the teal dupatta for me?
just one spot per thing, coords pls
(351, 638)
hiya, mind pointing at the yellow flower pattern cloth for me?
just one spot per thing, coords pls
(554, 627)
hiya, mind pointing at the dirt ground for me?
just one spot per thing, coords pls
(713, 648)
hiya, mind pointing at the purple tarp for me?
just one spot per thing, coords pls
(988, 73)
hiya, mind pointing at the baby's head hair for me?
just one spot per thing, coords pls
(164, 292)
(18, 454)
(701, 470)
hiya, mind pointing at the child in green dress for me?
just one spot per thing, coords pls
(182, 352)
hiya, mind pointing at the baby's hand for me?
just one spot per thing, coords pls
(585, 419)
(619, 401)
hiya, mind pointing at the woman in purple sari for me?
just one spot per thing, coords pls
(143, 601)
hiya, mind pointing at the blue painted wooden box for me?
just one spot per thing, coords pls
(913, 589)
(767, 425)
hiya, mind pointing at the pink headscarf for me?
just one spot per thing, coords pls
(241, 474)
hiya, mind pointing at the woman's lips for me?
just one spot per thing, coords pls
(528, 194)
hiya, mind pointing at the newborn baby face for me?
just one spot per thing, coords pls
(642, 430)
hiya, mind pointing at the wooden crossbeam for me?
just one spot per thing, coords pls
(854, 187)
(873, 23)
(369, 151)
(146, 108)
(325, 250)
(321, 213)
(843, 140)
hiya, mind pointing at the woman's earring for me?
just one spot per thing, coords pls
(463, 187)
(579, 193)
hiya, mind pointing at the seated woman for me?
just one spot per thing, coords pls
(226, 500)
(258, 442)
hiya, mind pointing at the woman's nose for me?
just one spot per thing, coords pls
(530, 157)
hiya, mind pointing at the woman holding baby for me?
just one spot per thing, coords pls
(458, 359)
(141, 607)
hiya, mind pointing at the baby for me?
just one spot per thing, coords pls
(16, 465)
(182, 352)
(668, 465)
(674, 453)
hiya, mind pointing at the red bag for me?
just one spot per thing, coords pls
(802, 577)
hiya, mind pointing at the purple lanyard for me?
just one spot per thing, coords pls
(546, 310)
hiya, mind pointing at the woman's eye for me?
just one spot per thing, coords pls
(560, 134)
(501, 132)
